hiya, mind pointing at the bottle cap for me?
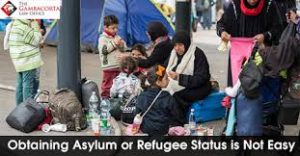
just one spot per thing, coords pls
(137, 119)
(46, 128)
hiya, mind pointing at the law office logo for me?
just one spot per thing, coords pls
(8, 8)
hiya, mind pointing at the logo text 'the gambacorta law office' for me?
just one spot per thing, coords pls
(30, 9)
(8, 8)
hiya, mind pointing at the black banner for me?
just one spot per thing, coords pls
(143, 146)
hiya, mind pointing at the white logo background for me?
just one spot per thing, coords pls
(33, 9)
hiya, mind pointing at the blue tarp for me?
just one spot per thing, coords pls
(90, 19)
(3, 23)
(133, 15)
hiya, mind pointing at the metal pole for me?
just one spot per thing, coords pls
(183, 15)
(68, 55)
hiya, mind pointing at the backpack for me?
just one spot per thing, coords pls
(66, 109)
(125, 86)
(251, 77)
(87, 88)
(26, 116)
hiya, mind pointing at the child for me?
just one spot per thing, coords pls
(165, 110)
(126, 84)
(110, 46)
(139, 51)
(24, 47)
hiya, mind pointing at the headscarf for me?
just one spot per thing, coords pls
(156, 30)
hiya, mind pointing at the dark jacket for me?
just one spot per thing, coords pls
(237, 24)
(283, 7)
(164, 113)
(281, 57)
(197, 86)
(159, 55)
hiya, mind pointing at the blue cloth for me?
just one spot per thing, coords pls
(230, 127)
(249, 116)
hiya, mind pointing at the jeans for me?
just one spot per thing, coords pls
(27, 85)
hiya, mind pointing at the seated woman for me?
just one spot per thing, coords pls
(188, 71)
(162, 45)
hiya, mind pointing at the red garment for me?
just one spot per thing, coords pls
(253, 11)
(226, 102)
(107, 81)
(47, 119)
(109, 33)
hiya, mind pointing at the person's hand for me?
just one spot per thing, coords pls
(143, 57)
(260, 38)
(119, 42)
(225, 36)
(173, 75)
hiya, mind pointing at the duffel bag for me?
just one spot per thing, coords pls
(210, 108)
(87, 88)
(26, 116)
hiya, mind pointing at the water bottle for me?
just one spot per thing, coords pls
(93, 102)
(104, 116)
(93, 105)
(192, 123)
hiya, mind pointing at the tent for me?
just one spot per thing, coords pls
(133, 15)
(90, 19)
(3, 23)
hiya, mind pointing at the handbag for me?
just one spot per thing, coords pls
(26, 116)
(251, 76)
(128, 110)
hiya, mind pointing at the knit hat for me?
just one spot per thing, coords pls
(156, 30)
(182, 37)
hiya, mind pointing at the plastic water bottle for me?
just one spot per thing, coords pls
(105, 116)
(93, 105)
(192, 123)
(93, 102)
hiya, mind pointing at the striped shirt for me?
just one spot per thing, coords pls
(24, 41)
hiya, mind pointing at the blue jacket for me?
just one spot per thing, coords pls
(164, 113)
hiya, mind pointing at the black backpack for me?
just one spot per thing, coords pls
(251, 76)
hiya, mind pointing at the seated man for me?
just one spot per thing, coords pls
(188, 71)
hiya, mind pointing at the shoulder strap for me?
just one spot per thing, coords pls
(234, 9)
(269, 4)
(152, 103)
